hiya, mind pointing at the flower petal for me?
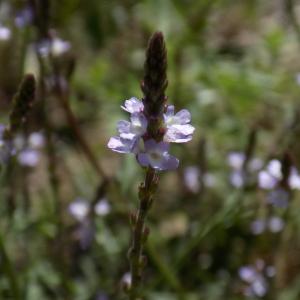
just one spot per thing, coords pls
(138, 123)
(121, 145)
(143, 159)
(169, 162)
(123, 127)
(174, 135)
(133, 105)
(183, 116)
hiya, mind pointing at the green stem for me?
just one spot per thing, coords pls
(140, 233)
(9, 271)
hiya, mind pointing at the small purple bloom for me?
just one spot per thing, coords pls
(294, 179)
(156, 156)
(102, 208)
(236, 160)
(247, 273)
(29, 157)
(134, 129)
(79, 209)
(5, 33)
(191, 177)
(253, 276)
(274, 168)
(122, 145)
(278, 197)
(36, 140)
(59, 46)
(276, 224)
(24, 17)
(266, 180)
(133, 105)
(178, 129)
(237, 178)
(258, 226)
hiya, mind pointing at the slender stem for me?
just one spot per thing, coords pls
(140, 232)
(8, 269)
(63, 98)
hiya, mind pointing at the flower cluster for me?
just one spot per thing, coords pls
(269, 177)
(236, 161)
(28, 149)
(273, 224)
(133, 137)
(256, 278)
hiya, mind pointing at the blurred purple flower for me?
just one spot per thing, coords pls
(126, 278)
(255, 278)
(56, 47)
(79, 209)
(101, 296)
(102, 208)
(5, 33)
(29, 157)
(36, 140)
(156, 156)
(235, 160)
(85, 233)
(237, 178)
(191, 178)
(258, 226)
(59, 46)
(278, 197)
(276, 224)
(178, 129)
(294, 179)
(24, 17)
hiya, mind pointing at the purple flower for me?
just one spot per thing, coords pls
(278, 197)
(273, 224)
(236, 160)
(156, 156)
(24, 17)
(122, 145)
(134, 129)
(133, 105)
(191, 177)
(254, 277)
(178, 129)
(5, 33)
(237, 178)
(79, 209)
(36, 140)
(294, 179)
(276, 224)
(133, 137)
(29, 157)
(266, 180)
(258, 226)
(102, 208)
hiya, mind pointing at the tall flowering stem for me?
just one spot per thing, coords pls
(153, 126)
(153, 87)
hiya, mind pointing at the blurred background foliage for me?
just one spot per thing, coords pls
(235, 65)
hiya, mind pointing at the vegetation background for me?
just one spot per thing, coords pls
(234, 65)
